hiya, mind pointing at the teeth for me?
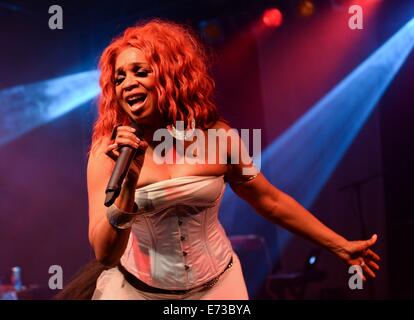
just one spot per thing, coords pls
(136, 97)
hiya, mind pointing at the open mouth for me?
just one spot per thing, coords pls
(136, 101)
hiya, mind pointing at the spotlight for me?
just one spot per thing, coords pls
(311, 272)
(272, 17)
(312, 260)
(25, 107)
(306, 8)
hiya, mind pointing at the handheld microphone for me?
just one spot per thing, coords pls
(126, 155)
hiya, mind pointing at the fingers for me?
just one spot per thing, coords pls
(373, 265)
(363, 245)
(367, 270)
(143, 144)
(360, 273)
(133, 143)
(371, 254)
(124, 130)
(125, 136)
(371, 241)
(111, 151)
(367, 267)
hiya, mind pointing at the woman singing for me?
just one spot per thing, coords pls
(162, 239)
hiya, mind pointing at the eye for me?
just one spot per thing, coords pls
(118, 80)
(142, 73)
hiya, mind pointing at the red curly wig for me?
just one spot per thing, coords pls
(183, 85)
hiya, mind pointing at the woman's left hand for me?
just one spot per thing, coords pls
(359, 253)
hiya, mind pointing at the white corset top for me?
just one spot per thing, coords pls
(177, 241)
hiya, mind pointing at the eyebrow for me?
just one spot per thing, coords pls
(131, 65)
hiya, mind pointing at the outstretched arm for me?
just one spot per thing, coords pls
(282, 209)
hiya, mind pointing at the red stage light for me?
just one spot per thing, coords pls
(272, 17)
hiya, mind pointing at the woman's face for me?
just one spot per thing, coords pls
(135, 85)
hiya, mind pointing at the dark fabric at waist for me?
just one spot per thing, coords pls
(142, 286)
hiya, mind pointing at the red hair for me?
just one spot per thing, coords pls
(183, 85)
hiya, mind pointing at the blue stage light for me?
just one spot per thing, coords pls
(301, 161)
(312, 260)
(26, 107)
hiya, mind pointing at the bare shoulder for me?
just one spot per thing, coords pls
(98, 147)
(223, 129)
(220, 125)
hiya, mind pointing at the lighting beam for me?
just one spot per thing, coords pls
(303, 158)
(25, 107)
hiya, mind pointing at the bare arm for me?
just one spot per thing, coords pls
(109, 242)
(280, 208)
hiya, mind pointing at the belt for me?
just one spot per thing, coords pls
(142, 286)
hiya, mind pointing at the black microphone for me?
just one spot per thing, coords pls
(126, 155)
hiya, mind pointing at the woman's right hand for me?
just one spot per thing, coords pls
(125, 135)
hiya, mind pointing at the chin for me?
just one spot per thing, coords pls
(142, 118)
(143, 115)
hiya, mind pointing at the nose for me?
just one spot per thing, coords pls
(130, 83)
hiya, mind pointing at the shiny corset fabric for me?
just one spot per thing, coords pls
(177, 241)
